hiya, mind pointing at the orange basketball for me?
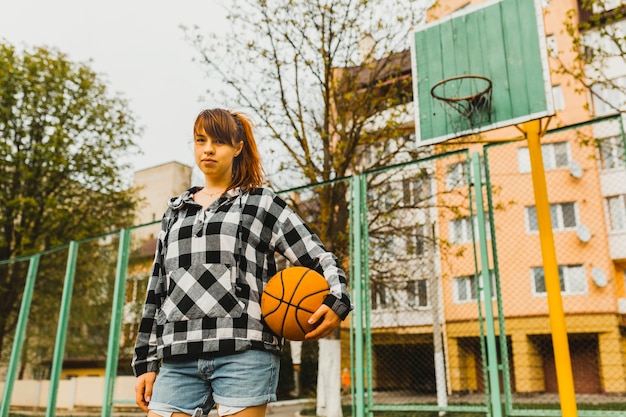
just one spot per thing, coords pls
(290, 298)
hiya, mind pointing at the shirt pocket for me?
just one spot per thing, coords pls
(198, 291)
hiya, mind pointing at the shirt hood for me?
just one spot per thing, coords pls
(176, 203)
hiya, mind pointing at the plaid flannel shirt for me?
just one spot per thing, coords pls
(210, 269)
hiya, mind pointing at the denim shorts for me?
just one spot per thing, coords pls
(242, 379)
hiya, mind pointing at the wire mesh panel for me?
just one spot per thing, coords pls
(425, 346)
(586, 181)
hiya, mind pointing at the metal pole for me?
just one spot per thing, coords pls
(492, 354)
(366, 296)
(358, 299)
(117, 311)
(562, 359)
(506, 369)
(59, 345)
(20, 332)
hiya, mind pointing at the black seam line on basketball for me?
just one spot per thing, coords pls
(302, 329)
(296, 306)
(313, 293)
(271, 312)
(277, 307)
(267, 294)
(295, 290)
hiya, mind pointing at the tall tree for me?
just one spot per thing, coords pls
(315, 74)
(65, 141)
(329, 82)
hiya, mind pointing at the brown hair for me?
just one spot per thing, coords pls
(234, 127)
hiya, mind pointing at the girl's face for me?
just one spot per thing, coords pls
(215, 156)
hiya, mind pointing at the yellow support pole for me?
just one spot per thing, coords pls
(560, 344)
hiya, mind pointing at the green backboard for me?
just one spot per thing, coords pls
(501, 46)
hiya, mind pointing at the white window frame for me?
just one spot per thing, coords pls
(567, 276)
(552, 46)
(558, 98)
(556, 215)
(607, 100)
(549, 154)
(379, 296)
(415, 243)
(413, 298)
(466, 230)
(415, 189)
(611, 152)
(616, 212)
(470, 291)
(456, 175)
(605, 6)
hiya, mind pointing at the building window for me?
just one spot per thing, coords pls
(379, 295)
(608, 97)
(617, 212)
(611, 152)
(564, 217)
(557, 97)
(553, 49)
(606, 5)
(416, 242)
(383, 195)
(571, 277)
(461, 229)
(456, 175)
(417, 293)
(415, 189)
(464, 288)
(555, 155)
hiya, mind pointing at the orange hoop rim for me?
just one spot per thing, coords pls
(459, 77)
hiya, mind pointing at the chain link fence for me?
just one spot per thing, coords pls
(428, 325)
(422, 338)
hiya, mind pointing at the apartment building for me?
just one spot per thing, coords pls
(583, 153)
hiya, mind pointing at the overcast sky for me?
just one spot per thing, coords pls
(138, 47)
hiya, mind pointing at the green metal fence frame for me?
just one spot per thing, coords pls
(360, 342)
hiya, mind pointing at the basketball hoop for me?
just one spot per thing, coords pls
(468, 99)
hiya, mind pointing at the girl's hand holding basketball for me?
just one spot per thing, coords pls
(328, 321)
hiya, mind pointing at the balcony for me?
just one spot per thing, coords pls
(613, 182)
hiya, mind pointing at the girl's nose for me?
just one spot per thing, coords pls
(209, 149)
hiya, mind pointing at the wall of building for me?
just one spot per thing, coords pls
(78, 392)
(156, 186)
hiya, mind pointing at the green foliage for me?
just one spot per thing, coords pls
(63, 142)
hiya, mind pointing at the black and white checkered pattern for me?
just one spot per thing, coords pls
(204, 297)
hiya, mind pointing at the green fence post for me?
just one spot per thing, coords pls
(64, 313)
(492, 357)
(117, 310)
(357, 321)
(506, 366)
(20, 332)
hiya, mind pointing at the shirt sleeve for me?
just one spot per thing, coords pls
(145, 353)
(297, 242)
